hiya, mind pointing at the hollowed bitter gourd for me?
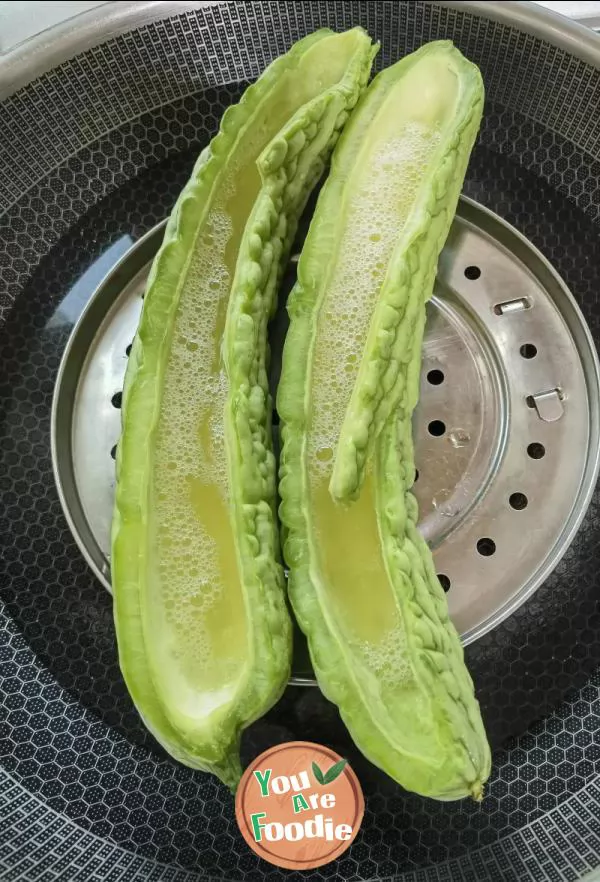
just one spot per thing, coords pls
(202, 626)
(362, 582)
(415, 167)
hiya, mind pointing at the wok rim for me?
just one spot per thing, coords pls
(47, 50)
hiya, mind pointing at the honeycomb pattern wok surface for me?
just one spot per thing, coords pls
(85, 793)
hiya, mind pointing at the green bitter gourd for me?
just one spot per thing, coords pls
(416, 165)
(362, 582)
(202, 627)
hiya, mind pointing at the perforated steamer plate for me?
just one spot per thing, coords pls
(98, 149)
(506, 430)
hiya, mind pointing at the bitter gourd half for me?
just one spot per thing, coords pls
(202, 627)
(399, 176)
(362, 582)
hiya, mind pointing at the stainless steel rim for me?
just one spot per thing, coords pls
(508, 364)
(56, 45)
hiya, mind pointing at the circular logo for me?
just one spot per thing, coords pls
(299, 805)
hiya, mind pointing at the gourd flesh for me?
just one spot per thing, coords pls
(202, 627)
(362, 582)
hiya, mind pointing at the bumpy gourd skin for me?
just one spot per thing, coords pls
(196, 493)
(362, 582)
(425, 223)
(438, 653)
(289, 168)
